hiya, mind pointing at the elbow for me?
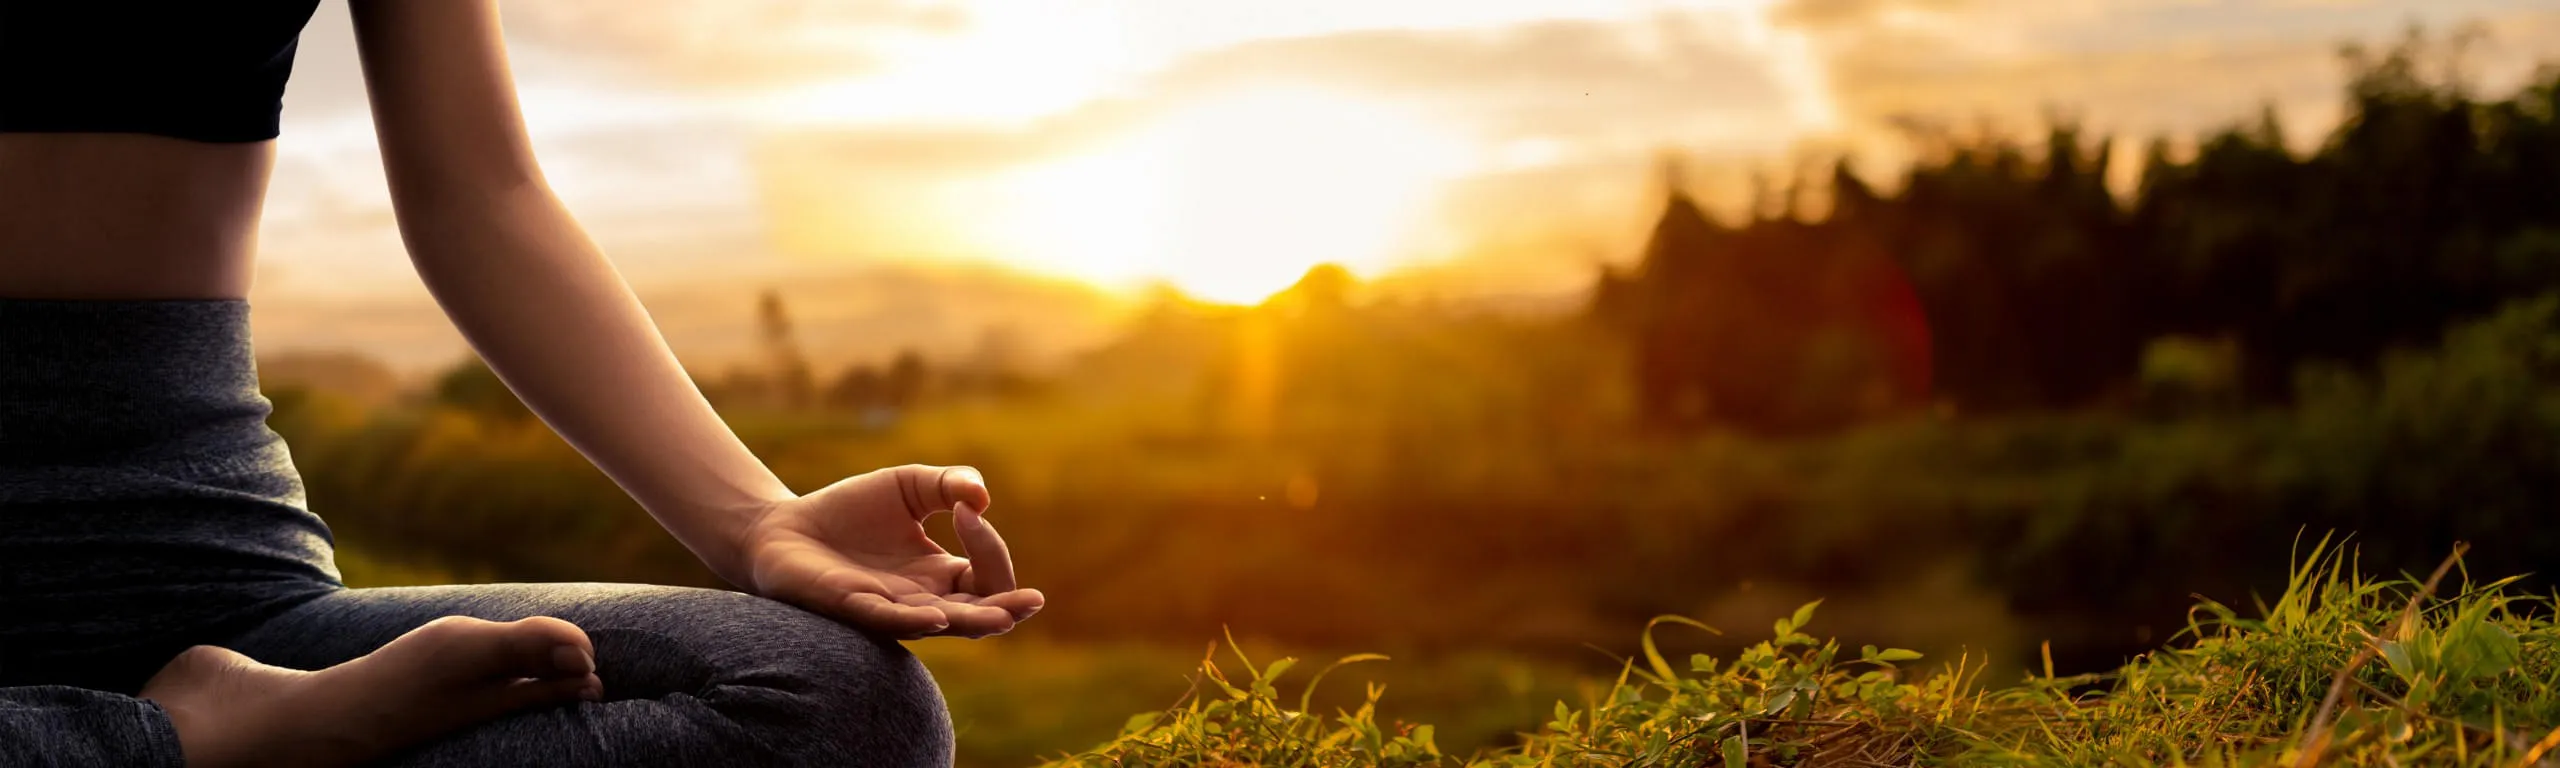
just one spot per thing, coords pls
(438, 194)
(429, 213)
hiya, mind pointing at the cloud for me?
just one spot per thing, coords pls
(1640, 83)
(2136, 67)
(1834, 13)
(1578, 78)
(2174, 93)
(729, 42)
(1636, 79)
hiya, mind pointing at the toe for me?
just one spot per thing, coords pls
(538, 647)
(566, 650)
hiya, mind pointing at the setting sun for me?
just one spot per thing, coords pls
(1233, 197)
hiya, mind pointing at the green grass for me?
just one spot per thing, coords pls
(2341, 669)
(1022, 699)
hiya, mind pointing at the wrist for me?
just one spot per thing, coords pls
(722, 535)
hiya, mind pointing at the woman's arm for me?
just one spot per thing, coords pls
(554, 320)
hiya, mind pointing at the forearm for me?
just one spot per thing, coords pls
(554, 320)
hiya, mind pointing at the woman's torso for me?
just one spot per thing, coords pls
(128, 216)
(135, 142)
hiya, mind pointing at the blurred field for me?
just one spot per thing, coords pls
(1486, 564)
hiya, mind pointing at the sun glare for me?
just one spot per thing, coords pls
(1233, 197)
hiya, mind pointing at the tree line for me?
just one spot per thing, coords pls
(2000, 274)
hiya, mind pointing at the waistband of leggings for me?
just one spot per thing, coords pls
(78, 375)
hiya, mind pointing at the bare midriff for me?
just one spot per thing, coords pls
(128, 216)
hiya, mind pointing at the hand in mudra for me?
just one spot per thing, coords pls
(857, 551)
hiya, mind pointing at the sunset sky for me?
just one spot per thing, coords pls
(898, 168)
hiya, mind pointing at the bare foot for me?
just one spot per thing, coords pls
(455, 671)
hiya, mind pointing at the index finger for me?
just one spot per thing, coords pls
(990, 563)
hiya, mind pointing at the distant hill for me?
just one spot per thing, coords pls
(845, 314)
(346, 374)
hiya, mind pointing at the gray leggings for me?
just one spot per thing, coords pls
(692, 677)
(145, 507)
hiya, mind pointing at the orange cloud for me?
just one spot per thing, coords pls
(731, 42)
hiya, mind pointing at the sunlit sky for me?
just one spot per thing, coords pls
(898, 167)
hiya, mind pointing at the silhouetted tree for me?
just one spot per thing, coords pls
(793, 386)
(906, 380)
(2039, 289)
(1781, 326)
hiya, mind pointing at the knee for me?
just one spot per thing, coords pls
(815, 692)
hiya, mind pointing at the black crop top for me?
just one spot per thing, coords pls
(208, 70)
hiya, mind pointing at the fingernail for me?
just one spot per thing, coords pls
(570, 659)
(593, 691)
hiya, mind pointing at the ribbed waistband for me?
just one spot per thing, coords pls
(88, 381)
(143, 501)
